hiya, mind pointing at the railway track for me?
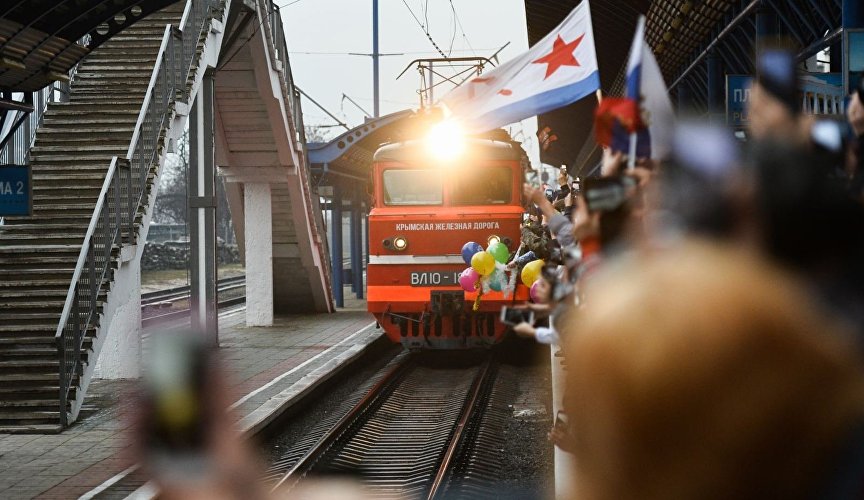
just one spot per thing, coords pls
(420, 431)
(152, 303)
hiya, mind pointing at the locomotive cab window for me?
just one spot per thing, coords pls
(482, 186)
(413, 187)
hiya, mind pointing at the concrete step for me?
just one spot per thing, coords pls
(112, 64)
(90, 147)
(19, 274)
(33, 318)
(88, 122)
(77, 172)
(28, 380)
(45, 249)
(29, 307)
(79, 228)
(23, 239)
(24, 393)
(84, 192)
(118, 137)
(12, 294)
(72, 178)
(28, 404)
(44, 263)
(83, 211)
(107, 102)
(75, 113)
(31, 419)
(101, 131)
(29, 366)
(29, 331)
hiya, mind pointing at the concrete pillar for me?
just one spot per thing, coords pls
(202, 214)
(336, 245)
(258, 211)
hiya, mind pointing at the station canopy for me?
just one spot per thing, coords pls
(42, 40)
(674, 29)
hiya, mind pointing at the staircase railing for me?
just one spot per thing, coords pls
(15, 148)
(275, 34)
(124, 192)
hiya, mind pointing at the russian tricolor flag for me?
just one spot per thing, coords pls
(558, 70)
(645, 86)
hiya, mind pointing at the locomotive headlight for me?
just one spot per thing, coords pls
(445, 140)
(493, 239)
(400, 243)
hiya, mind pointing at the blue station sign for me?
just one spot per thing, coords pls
(737, 99)
(16, 190)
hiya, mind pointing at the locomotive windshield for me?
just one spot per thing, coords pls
(413, 187)
(482, 186)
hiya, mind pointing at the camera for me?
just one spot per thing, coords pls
(510, 316)
(607, 193)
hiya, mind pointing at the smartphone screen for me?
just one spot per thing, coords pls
(510, 316)
(177, 399)
(604, 194)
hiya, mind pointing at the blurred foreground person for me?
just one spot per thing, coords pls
(774, 109)
(187, 440)
(700, 373)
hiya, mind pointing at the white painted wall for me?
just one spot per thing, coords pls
(120, 355)
(258, 232)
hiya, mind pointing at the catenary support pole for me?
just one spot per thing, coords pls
(336, 245)
(353, 236)
(202, 214)
(357, 243)
(375, 55)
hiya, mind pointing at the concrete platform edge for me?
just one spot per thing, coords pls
(258, 420)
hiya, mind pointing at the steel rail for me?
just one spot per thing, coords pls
(155, 296)
(437, 488)
(349, 419)
(182, 313)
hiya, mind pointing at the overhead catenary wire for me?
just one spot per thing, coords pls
(462, 29)
(424, 29)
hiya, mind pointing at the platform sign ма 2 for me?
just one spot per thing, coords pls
(16, 190)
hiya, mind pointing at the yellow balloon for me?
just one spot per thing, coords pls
(483, 263)
(531, 272)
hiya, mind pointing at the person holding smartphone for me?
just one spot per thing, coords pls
(542, 334)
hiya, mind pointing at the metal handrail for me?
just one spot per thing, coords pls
(16, 149)
(275, 34)
(125, 190)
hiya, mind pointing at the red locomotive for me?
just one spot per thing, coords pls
(425, 207)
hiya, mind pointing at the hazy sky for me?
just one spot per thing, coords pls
(321, 32)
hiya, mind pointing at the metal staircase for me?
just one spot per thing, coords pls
(56, 267)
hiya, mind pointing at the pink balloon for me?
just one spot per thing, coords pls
(468, 279)
(533, 291)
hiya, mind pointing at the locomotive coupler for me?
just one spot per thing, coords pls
(446, 303)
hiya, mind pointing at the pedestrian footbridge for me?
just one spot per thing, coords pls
(70, 272)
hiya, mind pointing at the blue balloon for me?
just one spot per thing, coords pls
(469, 249)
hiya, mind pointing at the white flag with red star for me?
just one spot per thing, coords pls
(560, 69)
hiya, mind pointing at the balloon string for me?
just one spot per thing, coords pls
(479, 288)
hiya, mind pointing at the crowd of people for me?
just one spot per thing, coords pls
(710, 307)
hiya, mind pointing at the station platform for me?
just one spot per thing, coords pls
(268, 368)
